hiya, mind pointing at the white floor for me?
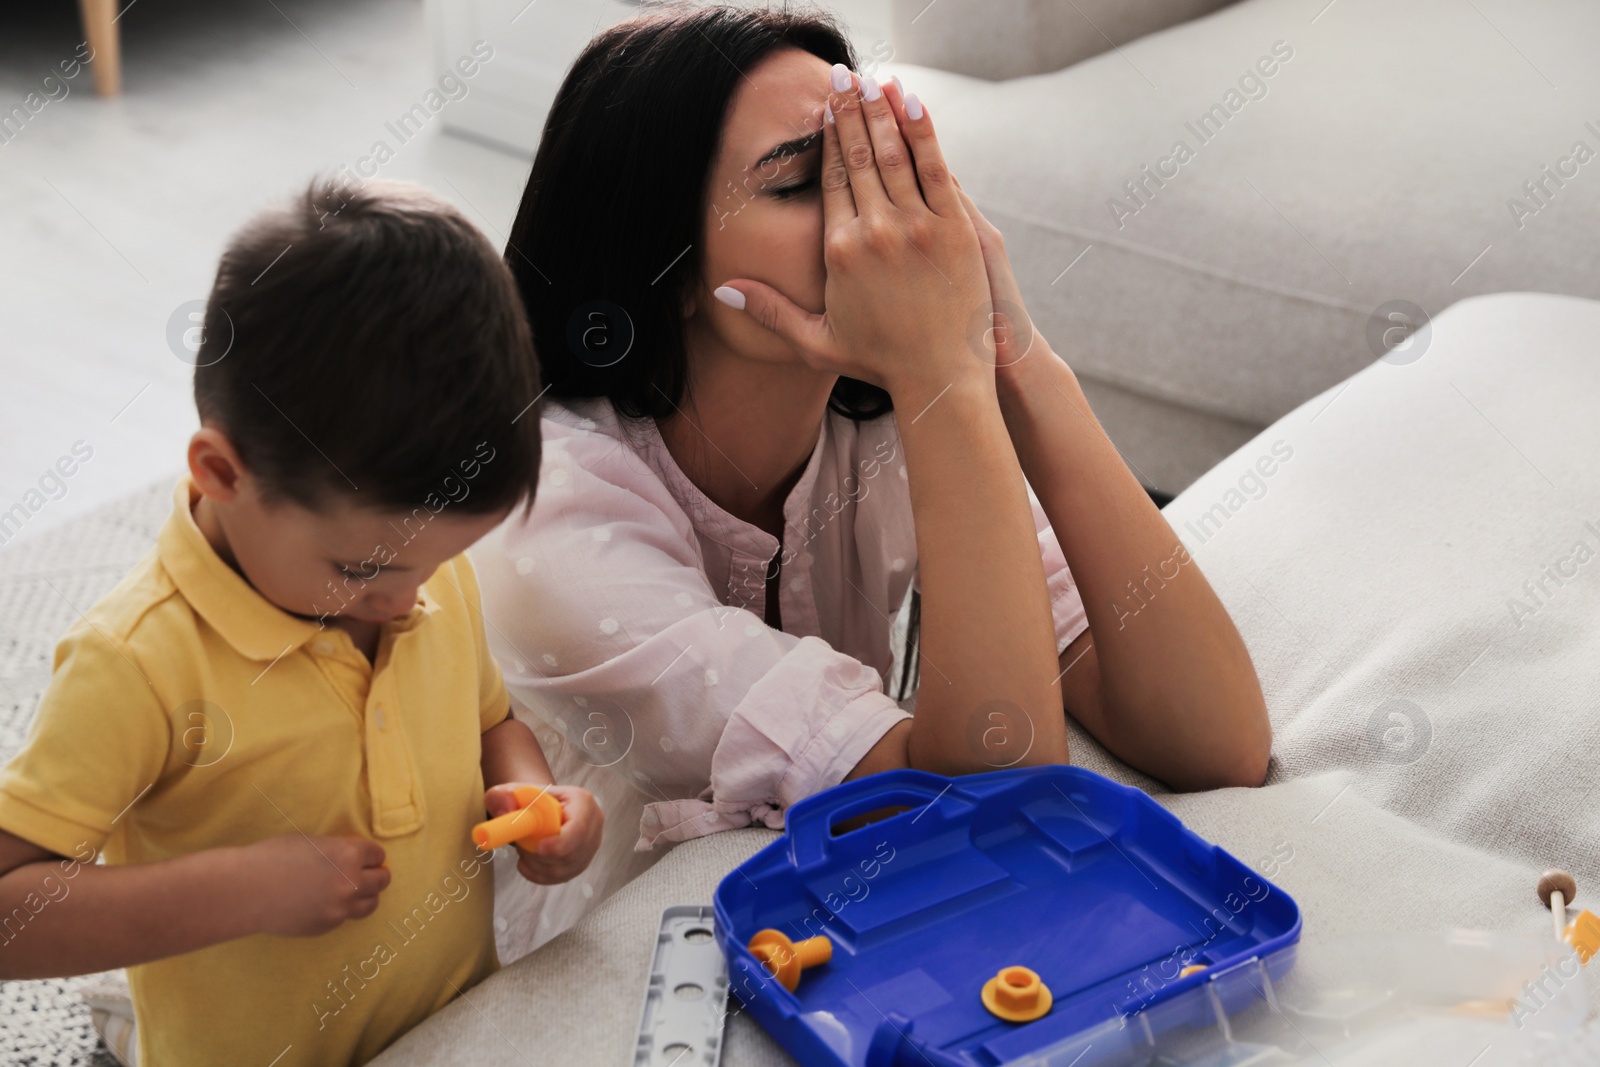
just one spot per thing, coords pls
(113, 212)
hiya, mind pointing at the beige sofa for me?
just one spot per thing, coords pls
(1340, 156)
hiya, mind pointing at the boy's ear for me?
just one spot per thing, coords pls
(215, 466)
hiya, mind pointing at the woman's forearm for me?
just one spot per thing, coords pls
(1179, 697)
(987, 696)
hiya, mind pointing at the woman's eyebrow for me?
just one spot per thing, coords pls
(791, 147)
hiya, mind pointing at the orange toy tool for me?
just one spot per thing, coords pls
(537, 817)
(785, 959)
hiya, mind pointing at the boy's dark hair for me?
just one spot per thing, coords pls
(370, 343)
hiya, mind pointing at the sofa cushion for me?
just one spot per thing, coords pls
(1035, 36)
(1414, 560)
(1384, 160)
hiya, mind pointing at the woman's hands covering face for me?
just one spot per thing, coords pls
(907, 293)
(1013, 333)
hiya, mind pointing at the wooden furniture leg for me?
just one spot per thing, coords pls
(100, 29)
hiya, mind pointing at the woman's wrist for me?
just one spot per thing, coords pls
(916, 395)
(1035, 387)
(1049, 419)
(1038, 369)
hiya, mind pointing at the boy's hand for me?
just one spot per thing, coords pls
(564, 856)
(309, 885)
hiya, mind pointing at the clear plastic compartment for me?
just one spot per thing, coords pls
(1449, 997)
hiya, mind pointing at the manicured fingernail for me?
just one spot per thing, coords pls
(841, 78)
(896, 79)
(913, 107)
(870, 89)
(730, 296)
(827, 112)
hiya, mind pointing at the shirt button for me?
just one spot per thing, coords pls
(379, 718)
(322, 648)
(500, 925)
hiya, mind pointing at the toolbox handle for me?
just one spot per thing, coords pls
(809, 822)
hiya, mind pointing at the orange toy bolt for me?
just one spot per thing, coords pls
(537, 817)
(785, 959)
(1016, 995)
(1584, 935)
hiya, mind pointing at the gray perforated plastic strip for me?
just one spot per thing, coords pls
(686, 997)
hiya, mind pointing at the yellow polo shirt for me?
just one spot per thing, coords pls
(187, 712)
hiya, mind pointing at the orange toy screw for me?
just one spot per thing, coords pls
(785, 959)
(538, 816)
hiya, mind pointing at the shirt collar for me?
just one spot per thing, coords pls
(252, 624)
(715, 522)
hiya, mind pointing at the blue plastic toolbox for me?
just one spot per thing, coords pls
(1089, 883)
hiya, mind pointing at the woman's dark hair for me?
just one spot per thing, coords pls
(607, 242)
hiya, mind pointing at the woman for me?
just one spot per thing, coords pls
(791, 379)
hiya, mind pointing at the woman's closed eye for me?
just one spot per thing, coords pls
(793, 189)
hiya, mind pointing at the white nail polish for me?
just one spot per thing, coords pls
(827, 113)
(896, 79)
(841, 78)
(870, 89)
(913, 107)
(730, 296)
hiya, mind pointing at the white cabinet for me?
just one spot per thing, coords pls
(533, 43)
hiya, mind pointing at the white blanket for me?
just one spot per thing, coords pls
(1419, 586)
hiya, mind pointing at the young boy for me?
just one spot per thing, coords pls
(280, 726)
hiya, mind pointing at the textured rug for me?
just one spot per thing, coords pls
(45, 582)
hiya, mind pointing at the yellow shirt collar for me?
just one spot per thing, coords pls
(257, 628)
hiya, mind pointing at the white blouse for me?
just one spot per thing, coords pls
(626, 610)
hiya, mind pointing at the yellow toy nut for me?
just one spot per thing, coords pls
(537, 817)
(1017, 995)
(1584, 935)
(785, 959)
